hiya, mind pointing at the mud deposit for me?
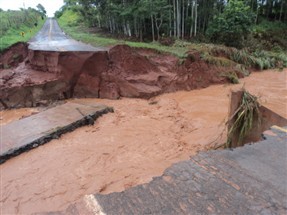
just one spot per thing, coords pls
(122, 71)
(129, 147)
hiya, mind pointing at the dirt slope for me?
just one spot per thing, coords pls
(47, 76)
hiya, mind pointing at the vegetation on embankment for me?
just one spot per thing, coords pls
(219, 55)
(71, 24)
(19, 26)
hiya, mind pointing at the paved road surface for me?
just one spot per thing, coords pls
(25, 134)
(52, 38)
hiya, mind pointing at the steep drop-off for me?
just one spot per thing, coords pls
(122, 71)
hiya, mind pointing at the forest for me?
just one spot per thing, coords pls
(218, 21)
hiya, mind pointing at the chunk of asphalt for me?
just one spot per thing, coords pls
(28, 133)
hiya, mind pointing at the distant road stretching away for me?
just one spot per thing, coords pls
(52, 38)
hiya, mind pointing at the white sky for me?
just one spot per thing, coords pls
(51, 6)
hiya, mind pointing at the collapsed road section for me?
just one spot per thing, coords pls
(28, 133)
(122, 71)
(55, 67)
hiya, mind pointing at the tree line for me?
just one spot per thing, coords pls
(181, 19)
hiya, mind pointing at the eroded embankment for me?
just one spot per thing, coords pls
(123, 71)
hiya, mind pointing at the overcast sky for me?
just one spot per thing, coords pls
(50, 5)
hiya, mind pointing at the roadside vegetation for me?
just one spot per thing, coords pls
(246, 34)
(19, 26)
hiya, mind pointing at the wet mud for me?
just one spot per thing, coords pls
(137, 142)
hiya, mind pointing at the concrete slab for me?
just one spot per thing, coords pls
(246, 180)
(30, 132)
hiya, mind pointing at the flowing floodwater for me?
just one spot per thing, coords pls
(15, 114)
(126, 148)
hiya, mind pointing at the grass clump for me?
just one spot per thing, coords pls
(258, 59)
(231, 76)
(242, 121)
(218, 61)
(242, 69)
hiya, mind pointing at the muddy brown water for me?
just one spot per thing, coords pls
(15, 114)
(129, 147)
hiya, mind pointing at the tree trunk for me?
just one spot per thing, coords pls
(158, 25)
(141, 31)
(182, 20)
(174, 19)
(129, 30)
(178, 19)
(124, 29)
(152, 27)
(186, 15)
(195, 22)
(257, 15)
(281, 10)
(170, 22)
(192, 18)
(110, 25)
(99, 22)
(135, 28)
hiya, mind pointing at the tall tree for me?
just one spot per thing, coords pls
(41, 9)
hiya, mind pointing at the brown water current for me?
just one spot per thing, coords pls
(129, 147)
(15, 114)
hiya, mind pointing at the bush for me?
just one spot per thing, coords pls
(233, 25)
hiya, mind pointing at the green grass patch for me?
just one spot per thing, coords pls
(13, 35)
(218, 61)
(69, 22)
(231, 76)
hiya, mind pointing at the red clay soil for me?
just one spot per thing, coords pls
(12, 56)
(121, 72)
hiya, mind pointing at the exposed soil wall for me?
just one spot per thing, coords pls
(14, 55)
(121, 72)
(33, 95)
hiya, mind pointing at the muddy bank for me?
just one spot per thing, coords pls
(139, 141)
(121, 72)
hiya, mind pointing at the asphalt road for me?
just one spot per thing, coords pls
(52, 38)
